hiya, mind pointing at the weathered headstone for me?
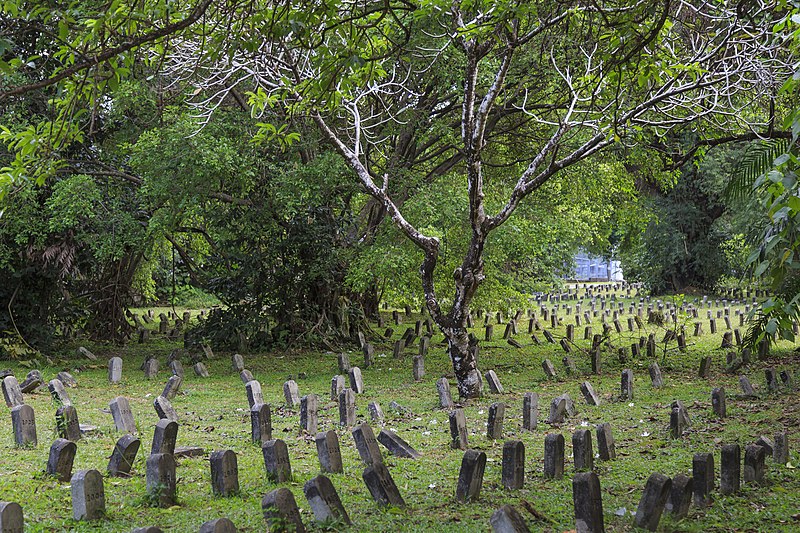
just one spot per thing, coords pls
(588, 394)
(254, 394)
(718, 403)
(703, 478)
(276, 461)
(23, 421)
(122, 415)
(11, 392)
(494, 382)
(62, 455)
(281, 512)
(626, 384)
(164, 409)
(549, 369)
(328, 452)
(58, 392)
(680, 496)
(554, 456)
(588, 503)
(172, 387)
(115, 370)
(369, 354)
(88, 495)
(291, 393)
(308, 413)
(356, 380)
(583, 455)
(11, 518)
(506, 519)
(396, 445)
(443, 389)
(605, 442)
(151, 368)
(754, 463)
(67, 379)
(218, 525)
(324, 500)
(67, 423)
(458, 429)
(84, 352)
(655, 375)
(164, 437)
(530, 411)
(558, 409)
(470, 476)
(730, 469)
(381, 485)
(337, 386)
(705, 367)
(418, 367)
(375, 412)
(651, 505)
(200, 369)
(766, 443)
(773, 385)
(124, 454)
(347, 407)
(237, 362)
(780, 452)
(224, 473)
(494, 425)
(366, 444)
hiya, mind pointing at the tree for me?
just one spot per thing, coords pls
(569, 79)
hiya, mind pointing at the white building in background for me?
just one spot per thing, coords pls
(596, 268)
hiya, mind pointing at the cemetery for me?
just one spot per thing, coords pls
(683, 435)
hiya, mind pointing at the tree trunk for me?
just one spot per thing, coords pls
(465, 365)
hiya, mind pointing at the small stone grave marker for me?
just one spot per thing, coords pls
(588, 394)
(396, 445)
(381, 485)
(328, 452)
(703, 478)
(605, 442)
(337, 386)
(494, 425)
(458, 429)
(470, 476)
(513, 466)
(11, 518)
(366, 444)
(23, 421)
(254, 394)
(115, 370)
(62, 455)
(494, 382)
(754, 463)
(654, 498)
(554, 456)
(347, 407)
(324, 500)
(200, 369)
(582, 453)
(67, 423)
(172, 387)
(218, 525)
(124, 454)
(224, 473)
(164, 409)
(276, 461)
(356, 380)
(88, 495)
(530, 411)
(443, 389)
(122, 415)
(291, 393)
(680, 496)
(375, 412)
(164, 437)
(58, 392)
(308, 413)
(281, 512)
(587, 502)
(730, 469)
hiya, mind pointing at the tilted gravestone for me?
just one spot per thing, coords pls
(654, 498)
(62, 455)
(88, 495)
(32, 381)
(587, 503)
(160, 479)
(494, 382)
(276, 461)
(246, 376)
(11, 392)
(530, 411)
(254, 394)
(718, 403)
(367, 444)
(347, 407)
(237, 363)
(458, 429)
(558, 409)
(164, 437)
(124, 454)
(506, 519)
(164, 409)
(328, 452)
(67, 423)
(172, 387)
(494, 425)
(11, 517)
(151, 368)
(67, 379)
(224, 473)
(200, 369)
(513, 465)
(655, 375)
(780, 452)
(176, 368)
(418, 367)
(58, 392)
(281, 512)
(680, 496)
(554, 456)
(375, 412)
(470, 476)
(626, 384)
(445, 399)
(549, 369)
(381, 485)
(396, 445)
(588, 394)
(337, 386)
(260, 423)
(122, 415)
(218, 525)
(754, 463)
(324, 500)
(24, 423)
(291, 393)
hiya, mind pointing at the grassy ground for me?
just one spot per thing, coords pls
(214, 414)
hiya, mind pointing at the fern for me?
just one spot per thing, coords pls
(756, 160)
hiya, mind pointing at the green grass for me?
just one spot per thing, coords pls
(214, 414)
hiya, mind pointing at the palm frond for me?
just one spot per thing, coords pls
(756, 160)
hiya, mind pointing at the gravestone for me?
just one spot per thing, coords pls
(12, 392)
(200, 369)
(588, 503)
(703, 478)
(224, 473)
(381, 485)
(291, 393)
(124, 454)
(366, 444)
(151, 368)
(680, 496)
(246, 376)
(324, 501)
(754, 463)
(375, 412)
(605, 442)
(308, 413)
(655, 375)
(773, 385)
(780, 451)
(24, 423)
(84, 352)
(328, 452)
(88, 495)
(549, 369)
(554, 456)
(507, 520)
(470, 476)
(558, 409)
(654, 498)
(218, 525)
(67, 423)
(530, 411)
(276, 461)
(67, 379)
(58, 392)
(237, 362)
(122, 415)
(344, 363)
(718, 403)
(705, 367)
(164, 409)
(730, 469)
(347, 407)
(443, 389)
(254, 394)
(337, 386)
(356, 381)
(494, 382)
(164, 437)
(494, 425)
(626, 384)
(115, 370)
(281, 512)
(418, 367)
(369, 354)
(583, 455)
(513, 465)
(172, 387)
(32, 381)
(676, 423)
(588, 394)
(11, 518)
(458, 429)
(396, 445)
(569, 366)
(62, 455)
